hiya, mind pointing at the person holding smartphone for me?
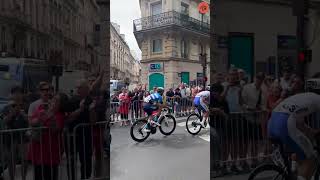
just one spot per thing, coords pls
(45, 151)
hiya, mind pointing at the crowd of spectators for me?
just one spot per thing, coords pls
(127, 105)
(40, 132)
(248, 105)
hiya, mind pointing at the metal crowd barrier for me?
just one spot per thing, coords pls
(47, 153)
(129, 111)
(240, 141)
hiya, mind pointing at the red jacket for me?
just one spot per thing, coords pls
(124, 103)
(49, 149)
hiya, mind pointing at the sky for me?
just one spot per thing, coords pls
(124, 16)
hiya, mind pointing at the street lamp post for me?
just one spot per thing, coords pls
(203, 59)
(300, 9)
(203, 9)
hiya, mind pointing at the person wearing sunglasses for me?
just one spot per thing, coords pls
(45, 91)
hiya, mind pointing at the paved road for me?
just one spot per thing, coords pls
(179, 156)
(238, 177)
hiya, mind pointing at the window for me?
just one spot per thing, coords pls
(184, 49)
(201, 50)
(3, 39)
(157, 45)
(184, 9)
(156, 8)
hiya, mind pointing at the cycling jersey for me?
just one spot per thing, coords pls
(150, 101)
(198, 100)
(285, 118)
(153, 98)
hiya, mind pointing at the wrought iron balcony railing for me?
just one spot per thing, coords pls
(170, 18)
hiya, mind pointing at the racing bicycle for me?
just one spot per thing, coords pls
(281, 169)
(193, 123)
(167, 125)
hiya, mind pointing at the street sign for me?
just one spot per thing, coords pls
(203, 7)
(156, 67)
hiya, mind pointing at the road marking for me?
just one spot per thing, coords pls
(205, 137)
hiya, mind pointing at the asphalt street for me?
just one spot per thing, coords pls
(237, 177)
(179, 156)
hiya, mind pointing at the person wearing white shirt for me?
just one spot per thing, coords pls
(252, 95)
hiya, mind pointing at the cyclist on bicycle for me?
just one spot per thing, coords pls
(152, 103)
(201, 102)
(288, 125)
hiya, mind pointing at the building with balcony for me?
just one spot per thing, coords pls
(123, 65)
(171, 37)
(58, 31)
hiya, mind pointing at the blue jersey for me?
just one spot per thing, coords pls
(153, 98)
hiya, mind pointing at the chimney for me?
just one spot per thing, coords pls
(123, 36)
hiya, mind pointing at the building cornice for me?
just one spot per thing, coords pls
(150, 60)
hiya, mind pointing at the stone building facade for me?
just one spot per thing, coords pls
(123, 65)
(43, 29)
(171, 37)
(261, 36)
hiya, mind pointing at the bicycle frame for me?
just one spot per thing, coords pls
(199, 112)
(280, 159)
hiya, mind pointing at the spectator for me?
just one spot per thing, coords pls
(296, 85)
(242, 77)
(285, 80)
(195, 91)
(184, 99)
(17, 93)
(232, 94)
(219, 78)
(177, 98)
(253, 103)
(15, 118)
(146, 94)
(275, 97)
(114, 107)
(45, 152)
(98, 130)
(135, 103)
(44, 89)
(81, 113)
(252, 95)
(124, 106)
(219, 121)
(267, 85)
(98, 94)
(170, 95)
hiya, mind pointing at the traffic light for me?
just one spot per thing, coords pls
(205, 79)
(305, 56)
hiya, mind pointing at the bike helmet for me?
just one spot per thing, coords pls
(160, 90)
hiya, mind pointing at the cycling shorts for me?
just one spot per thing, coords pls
(149, 108)
(282, 126)
(198, 102)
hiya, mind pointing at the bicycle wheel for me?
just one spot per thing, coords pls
(168, 124)
(193, 124)
(141, 135)
(267, 172)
